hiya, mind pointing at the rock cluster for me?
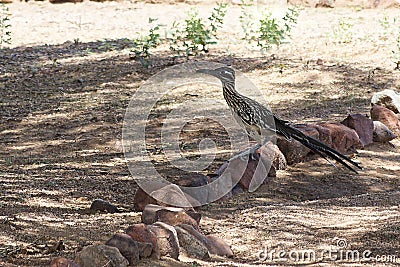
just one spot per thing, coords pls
(164, 232)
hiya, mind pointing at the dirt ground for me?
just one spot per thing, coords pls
(65, 83)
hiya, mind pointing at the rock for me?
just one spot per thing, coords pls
(387, 117)
(388, 99)
(257, 169)
(384, 3)
(167, 239)
(363, 126)
(126, 245)
(250, 174)
(172, 195)
(382, 133)
(102, 205)
(191, 246)
(218, 246)
(100, 255)
(279, 162)
(195, 215)
(214, 245)
(320, 61)
(170, 215)
(193, 180)
(169, 195)
(324, 135)
(145, 249)
(293, 150)
(62, 262)
(325, 3)
(59, 246)
(141, 199)
(313, 3)
(140, 233)
(343, 138)
(174, 218)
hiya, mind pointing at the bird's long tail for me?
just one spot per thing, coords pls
(315, 145)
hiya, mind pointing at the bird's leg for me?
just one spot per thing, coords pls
(243, 155)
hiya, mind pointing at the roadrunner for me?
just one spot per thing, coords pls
(259, 122)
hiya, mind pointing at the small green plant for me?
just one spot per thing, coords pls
(247, 19)
(385, 25)
(290, 19)
(143, 44)
(197, 33)
(272, 32)
(342, 31)
(267, 31)
(5, 34)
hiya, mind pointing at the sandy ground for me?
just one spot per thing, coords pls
(64, 91)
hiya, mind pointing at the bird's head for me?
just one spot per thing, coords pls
(225, 74)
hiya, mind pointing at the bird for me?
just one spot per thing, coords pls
(260, 123)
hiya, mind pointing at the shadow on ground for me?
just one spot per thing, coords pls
(62, 109)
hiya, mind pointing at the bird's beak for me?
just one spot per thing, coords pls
(207, 71)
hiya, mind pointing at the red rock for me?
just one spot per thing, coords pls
(62, 262)
(142, 199)
(140, 233)
(363, 126)
(167, 239)
(293, 150)
(250, 174)
(387, 117)
(343, 138)
(170, 215)
(126, 245)
(279, 162)
(324, 135)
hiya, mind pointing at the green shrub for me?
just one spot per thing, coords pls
(343, 31)
(247, 19)
(197, 33)
(143, 44)
(266, 30)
